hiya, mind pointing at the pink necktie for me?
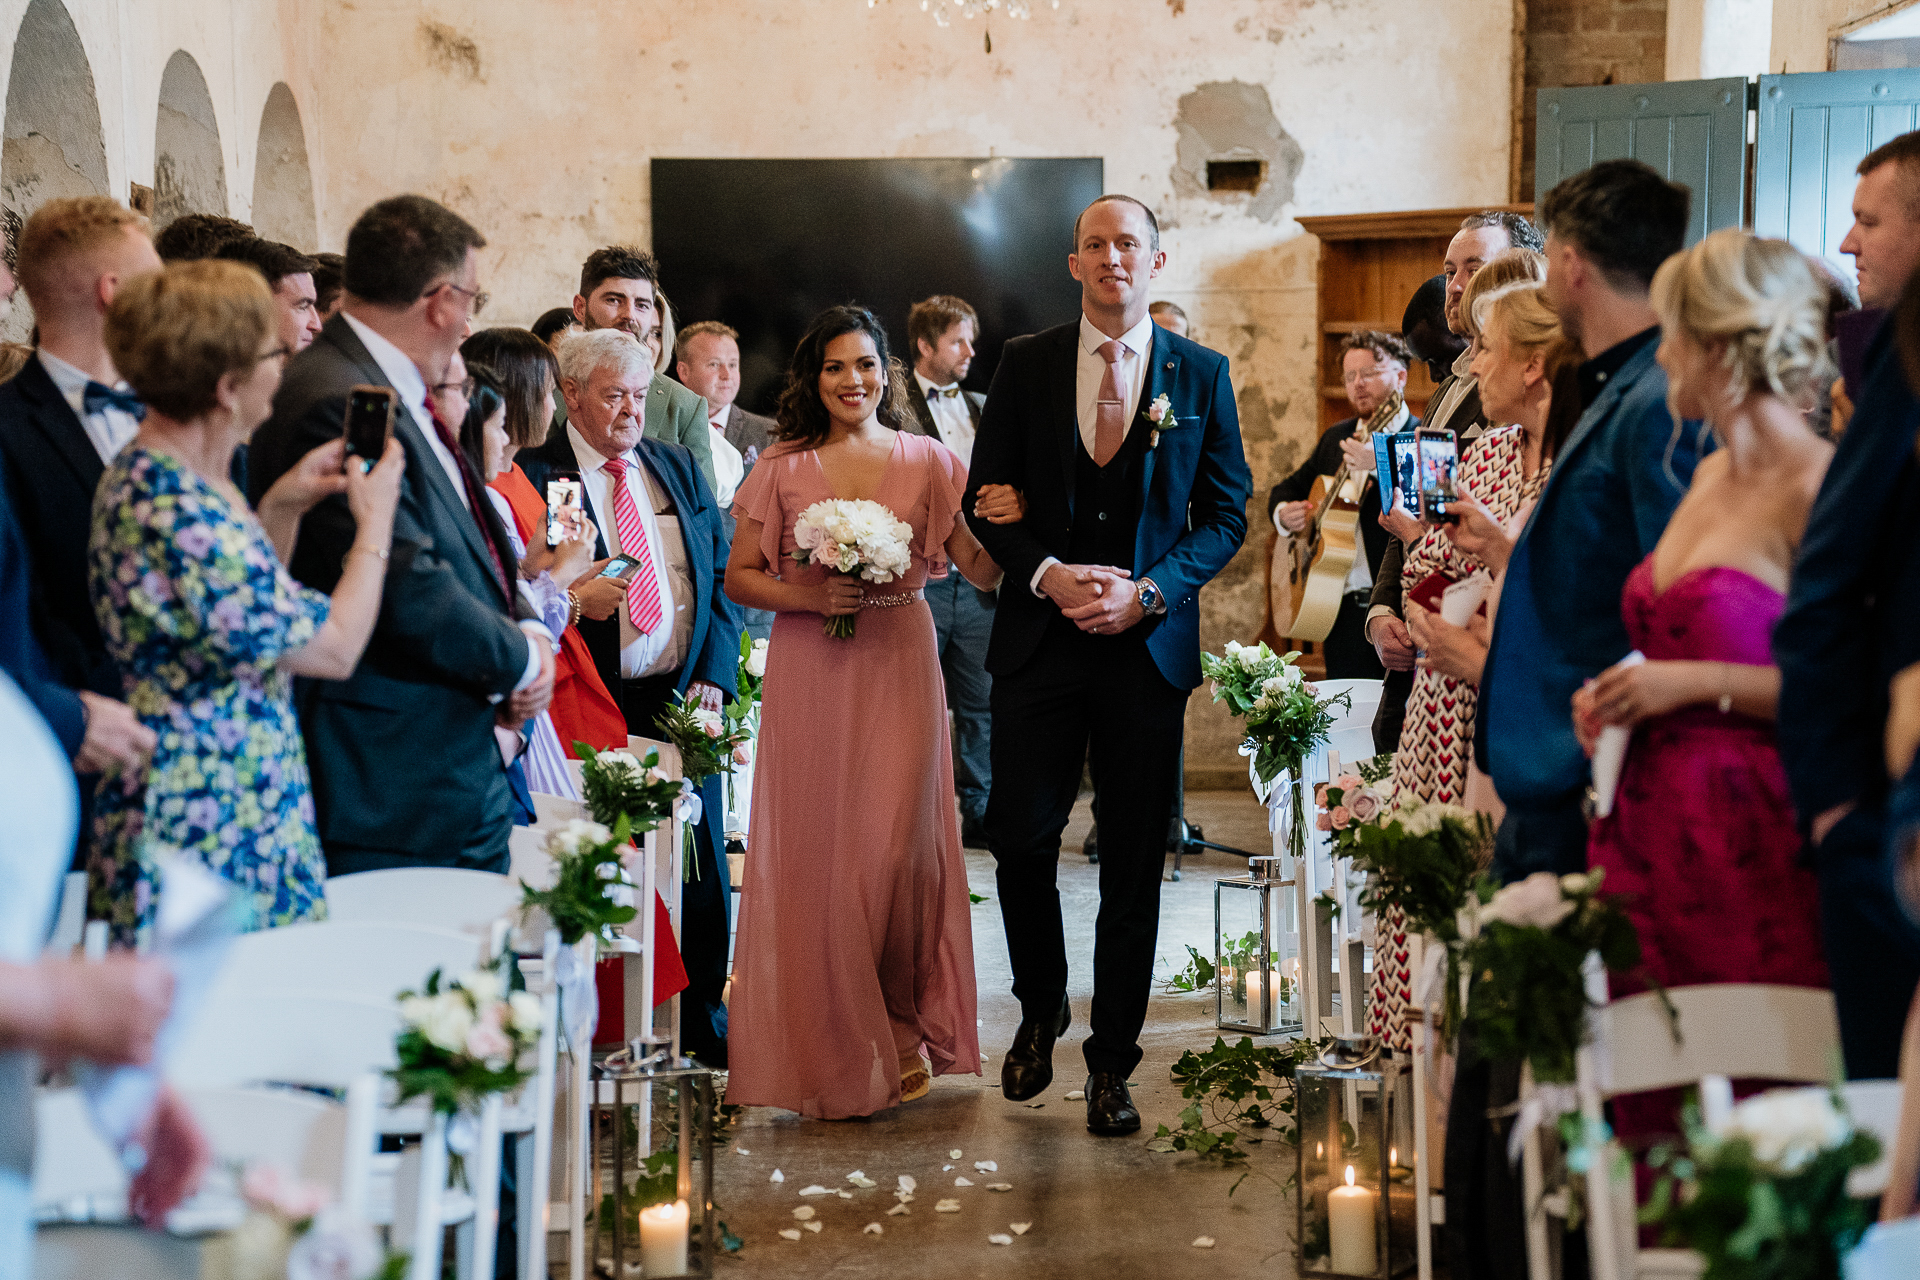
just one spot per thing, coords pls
(643, 593)
(1109, 411)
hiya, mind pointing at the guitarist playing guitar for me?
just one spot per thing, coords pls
(1373, 366)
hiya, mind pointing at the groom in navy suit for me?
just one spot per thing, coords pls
(1125, 441)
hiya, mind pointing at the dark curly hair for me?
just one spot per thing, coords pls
(802, 418)
(1385, 346)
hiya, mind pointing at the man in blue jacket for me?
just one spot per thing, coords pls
(1615, 482)
(1848, 627)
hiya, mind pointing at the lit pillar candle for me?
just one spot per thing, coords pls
(663, 1239)
(1350, 1228)
(1259, 980)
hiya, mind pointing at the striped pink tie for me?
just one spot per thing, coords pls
(643, 593)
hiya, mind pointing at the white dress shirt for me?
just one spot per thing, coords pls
(1089, 371)
(664, 648)
(405, 377)
(108, 430)
(951, 417)
(729, 466)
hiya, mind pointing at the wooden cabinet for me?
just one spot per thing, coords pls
(1371, 264)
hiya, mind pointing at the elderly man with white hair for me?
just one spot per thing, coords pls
(674, 631)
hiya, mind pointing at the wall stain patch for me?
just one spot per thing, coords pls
(1234, 120)
(451, 51)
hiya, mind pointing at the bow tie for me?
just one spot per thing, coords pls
(951, 391)
(97, 398)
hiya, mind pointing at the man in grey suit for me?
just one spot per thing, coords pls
(619, 289)
(941, 331)
(707, 361)
(409, 754)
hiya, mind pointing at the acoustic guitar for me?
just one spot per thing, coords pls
(1308, 575)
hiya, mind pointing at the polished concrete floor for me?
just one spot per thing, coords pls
(1099, 1207)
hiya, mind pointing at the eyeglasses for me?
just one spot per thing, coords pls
(480, 296)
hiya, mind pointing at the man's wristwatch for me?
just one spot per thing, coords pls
(1150, 598)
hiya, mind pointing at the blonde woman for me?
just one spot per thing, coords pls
(1511, 329)
(1702, 841)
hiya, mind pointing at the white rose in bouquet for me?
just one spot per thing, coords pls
(337, 1246)
(577, 834)
(757, 660)
(444, 1019)
(1534, 902)
(483, 985)
(1787, 1128)
(625, 759)
(526, 1012)
(712, 723)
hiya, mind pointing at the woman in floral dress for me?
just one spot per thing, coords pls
(199, 611)
(1503, 471)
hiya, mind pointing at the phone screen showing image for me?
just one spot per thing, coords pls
(564, 521)
(1437, 462)
(1403, 474)
(620, 567)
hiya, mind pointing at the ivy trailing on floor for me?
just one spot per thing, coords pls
(1235, 1093)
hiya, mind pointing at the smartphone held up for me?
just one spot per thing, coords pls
(369, 425)
(1436, 458)
(566, 519)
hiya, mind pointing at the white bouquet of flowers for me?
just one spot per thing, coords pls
(856, 537)
(465, 1040)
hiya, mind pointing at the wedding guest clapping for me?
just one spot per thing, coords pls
(1701, 845)
(198, 610)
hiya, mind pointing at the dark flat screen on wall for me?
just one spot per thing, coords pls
(765, 245)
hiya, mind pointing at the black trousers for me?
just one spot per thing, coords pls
(705, 898)
(1348, 653)
(1078, 692)
(1873, 950)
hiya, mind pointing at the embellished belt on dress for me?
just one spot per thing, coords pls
(893, 601)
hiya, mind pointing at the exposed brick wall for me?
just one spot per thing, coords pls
(1580, 42)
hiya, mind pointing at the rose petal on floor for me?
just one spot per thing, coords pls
(816, 1190)
(907, 1183)
(743, 1151)
(947, 1206)
(872, 1229)
(812, 1226)
(898, 1209)
(791, 1233)
(1035, 1106)
(804, 1212)
(962, 1182)
(954, 1154)
(1203, 1242)
(999, 1186)
(946, 1168)
(846, 1195)
(987, 1166)
(777, 1176)
(1076, 1095)
(861, 1181)
(999, 1239)
(1020, 1228)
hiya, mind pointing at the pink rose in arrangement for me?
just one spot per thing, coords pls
(267, 1189)
(1365, 804)
(743, 754)
(487, 1041)
(1348, 783)
(1341, 816)
(1323, 823)
(1320, 795)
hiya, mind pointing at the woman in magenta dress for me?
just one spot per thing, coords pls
(853, 974)
(1702, 841)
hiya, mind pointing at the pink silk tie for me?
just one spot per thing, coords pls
(643, 593)
(1109, 411)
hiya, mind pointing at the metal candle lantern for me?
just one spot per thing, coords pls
(652, 1158)
(1356, 1196)
(1256, 950)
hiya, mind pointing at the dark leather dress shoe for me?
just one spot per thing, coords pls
(1028, 1067)
(1110, 1109)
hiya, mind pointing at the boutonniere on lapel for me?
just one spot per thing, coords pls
(1160, 415)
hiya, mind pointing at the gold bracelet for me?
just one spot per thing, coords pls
(573, 607)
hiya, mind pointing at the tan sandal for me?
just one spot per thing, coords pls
(916, 1081)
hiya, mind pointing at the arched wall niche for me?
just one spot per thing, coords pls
(189, 172)
(53, 145)
(282, 181)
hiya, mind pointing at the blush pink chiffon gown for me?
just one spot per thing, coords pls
(855, 945)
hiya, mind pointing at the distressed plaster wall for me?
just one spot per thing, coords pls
(537, 121)
(1804, 30)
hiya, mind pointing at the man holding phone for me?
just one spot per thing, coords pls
(406, 767)
(1373, 366)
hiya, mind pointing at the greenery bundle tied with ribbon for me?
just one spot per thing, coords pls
(1286, 719)
(620, 785)
(710, 742)
(1422, 858)
(1762, 1193)
(465, 1040)
(1525, 946)
(592, 891)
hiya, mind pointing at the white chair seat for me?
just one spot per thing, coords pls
(437, 897)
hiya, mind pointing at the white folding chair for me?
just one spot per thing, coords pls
(437, 897)
(1736, 1030)
(557, 811)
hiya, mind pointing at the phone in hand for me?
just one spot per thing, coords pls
(369, 424)
(565, 516)
(1436, 458)
(1393, 468)
(620, 566)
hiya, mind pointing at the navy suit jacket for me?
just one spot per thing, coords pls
(1193, 488)
(713, 652)
(402, 752)
(1604, 507)
(1842, 634)
(20, 654)
(52, 472)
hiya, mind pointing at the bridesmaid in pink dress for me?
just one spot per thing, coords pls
(1702, 841)
(853, 973)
